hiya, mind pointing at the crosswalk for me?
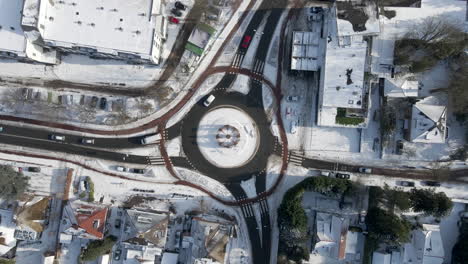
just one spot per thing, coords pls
(237, 62)
(295, 158)
(155, 160)
(264, 207)
(258, 67)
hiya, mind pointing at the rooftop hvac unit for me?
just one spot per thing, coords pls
(144, 220)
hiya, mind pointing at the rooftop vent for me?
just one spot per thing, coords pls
(119, 29)
(51, 19)
(12, 28)
(78, 22)
(114, 10)
(100, 8)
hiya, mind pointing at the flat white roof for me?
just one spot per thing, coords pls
(12, 37)
(344, 71)
(121, 25)
(304, 51)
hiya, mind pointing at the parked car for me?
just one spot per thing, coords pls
(179, 5)
(432, 183)
(121, 168)
(407, 183)
(209, 100)
(176, 12)
(94, 101)
(365, 170)
(117, 254)
(103, 103)
(399, 147)
(34, 169)
(87, 141)
(293, 127)
(362, 217)
(316, 9)
(57, 137)
(292, 98)
(343, 176)
(246, 41)
(1, 129)
(139, 171)
(173, 20)
(326, 173)
(118, 223)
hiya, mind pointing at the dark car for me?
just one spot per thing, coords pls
(246, 41)
(34, 169)
(139, 171)
(179, 5)
(407, 183)
(103, 103)
(118, 223)
(94, 101)
(176, 12)
(343, 176)
(432, 183)
(316, 9)
(117, 254)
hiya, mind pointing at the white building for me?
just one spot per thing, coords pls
(400, 87)
(130, 30)
(331, 236)
(12, 40)
(305, 51)
(426, 247)
(343, 89)
(428, 122)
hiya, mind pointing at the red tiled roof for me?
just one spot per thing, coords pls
(342, 246)
(86, 222)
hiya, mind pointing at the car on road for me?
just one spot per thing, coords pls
(292, 98)
(57, 137)
(89, 141)
(342, 176)
(176, 12)
(365, 170)
(118, 223)
(431, 183)
(209, 100)
(139, 171)
(117, 254)
(103, 103)
(34, 169)
(407, 183)
(293, 127)
(121, 168)
(1, 129)
(173, 20)
(246, 41)
(94, 101)
(179, 5)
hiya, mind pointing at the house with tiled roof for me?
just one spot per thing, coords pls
(330, 236)
(85, 220)
(31, 218)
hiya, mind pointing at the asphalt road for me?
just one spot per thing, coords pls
(105, 143)
(71, 149)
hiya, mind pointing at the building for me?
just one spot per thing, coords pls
(305, 51)
(381, 258)
(169, 258)
(139, 251)
(7, 231)
(400, 87)
(426, 247)
(118, 29)
(12, 39)
(428, 122)
(199, 38)
(84, 220)
(330, 236)
(344, 90)
(32, 218)
(152, 226)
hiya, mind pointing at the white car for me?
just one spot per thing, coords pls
(292, 98)
(57, 137)
(365, 170)
(121, 168)
(87, 141)
(293, 127)
(209, 100)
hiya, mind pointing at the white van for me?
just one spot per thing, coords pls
(150, 139)
(209, 100)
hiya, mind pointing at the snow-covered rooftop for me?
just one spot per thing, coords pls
(7, 231)
(426, 245)
(344, 70)
(331, 232)
(428, 122)
(12, 37)
(358, 13)
(401, 87)
(305, 51)
(120, 25)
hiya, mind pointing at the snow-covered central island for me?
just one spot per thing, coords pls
(227, 137)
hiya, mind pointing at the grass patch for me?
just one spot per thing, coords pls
(98, 248)
(342, 119)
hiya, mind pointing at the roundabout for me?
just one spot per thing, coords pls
(227, 137)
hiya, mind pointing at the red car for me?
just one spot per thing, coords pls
(173, 20)
(246, 41)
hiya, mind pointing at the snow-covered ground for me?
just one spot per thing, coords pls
(227, 137)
